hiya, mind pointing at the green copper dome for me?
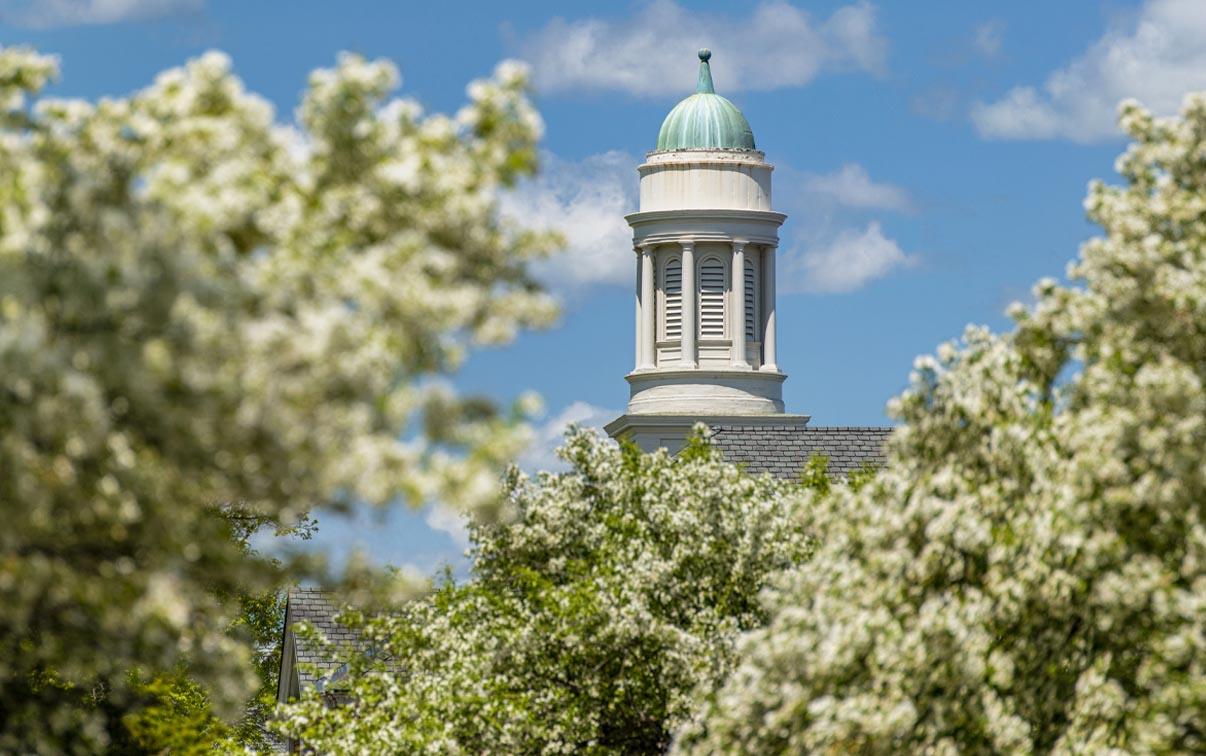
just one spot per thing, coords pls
(705, 120)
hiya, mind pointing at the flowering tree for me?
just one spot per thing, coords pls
(589, 621)
(210, 324)
(1029, 574)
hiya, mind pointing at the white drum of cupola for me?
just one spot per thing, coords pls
(713, 289)
(672, 296)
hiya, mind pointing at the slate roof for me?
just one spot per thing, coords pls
(314, 606)
(783, 451)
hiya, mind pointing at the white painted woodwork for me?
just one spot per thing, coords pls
(670, 431)
(690, 354)
(751, 302)
(717, 391)
(672, 295)
(738, 309)
(705, 179)
(707, 237)
(713, 283)
(636, 360)
(768, 311)
(648, 309)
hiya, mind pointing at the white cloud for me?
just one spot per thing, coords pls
(987, 38)
(1156, 58)
(44, 14)
(843, 263)
(850, 186)
(586, 200)
(652, 53)
(938, 103)
(541, 455)
(835, 246)
(448, 520)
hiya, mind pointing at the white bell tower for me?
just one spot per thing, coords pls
(705, 240)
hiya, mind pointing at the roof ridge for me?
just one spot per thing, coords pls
(722, 427)
(849, 427)
(299, 589)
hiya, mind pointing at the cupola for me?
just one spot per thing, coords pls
(705, 239)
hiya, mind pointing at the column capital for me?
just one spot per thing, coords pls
(739, 245)
(687, 244)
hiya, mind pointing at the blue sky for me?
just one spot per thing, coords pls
(932, 157)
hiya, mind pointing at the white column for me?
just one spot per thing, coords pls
(636, 362)
(768, 309)
(690, 307)
(737, 276)
(648, 310)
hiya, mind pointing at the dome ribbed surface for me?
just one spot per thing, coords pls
(704, 121)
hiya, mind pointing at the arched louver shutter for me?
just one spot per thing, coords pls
(711, 299)
(750, 302)
(673, 288)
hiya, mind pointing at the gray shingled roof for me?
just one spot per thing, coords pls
(314, 606)
(783, 451)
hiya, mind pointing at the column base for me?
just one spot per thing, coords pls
(735, 391)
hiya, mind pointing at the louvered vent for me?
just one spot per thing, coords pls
(673, 288)
(711, 299)
(749, 301)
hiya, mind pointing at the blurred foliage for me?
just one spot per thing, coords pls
(210, 325)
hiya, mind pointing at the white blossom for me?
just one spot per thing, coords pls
(1028, 576)
(594, 617)
(205, 311)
